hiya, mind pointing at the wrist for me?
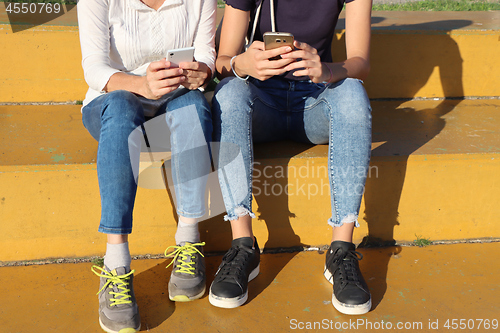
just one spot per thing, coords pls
(233, 68)
(208, 78)
(143, 88)
(329, 74)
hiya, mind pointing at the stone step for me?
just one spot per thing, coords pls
(434, 174)
(413, 290)
(413, 54)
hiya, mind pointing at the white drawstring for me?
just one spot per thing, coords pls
(256, 19)
(273, 24)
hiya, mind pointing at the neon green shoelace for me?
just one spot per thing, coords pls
(120, 281)
(184, 252)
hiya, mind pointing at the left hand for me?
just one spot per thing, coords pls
(309, 63)
(196, 74)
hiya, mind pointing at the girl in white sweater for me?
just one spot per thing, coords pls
(124, 44)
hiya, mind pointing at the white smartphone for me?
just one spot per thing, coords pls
(176, 56)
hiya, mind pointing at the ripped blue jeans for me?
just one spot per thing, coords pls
(280, 109)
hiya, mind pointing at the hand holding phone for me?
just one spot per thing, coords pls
(195, 73)
(160, 79)
(305, 61)
(255, 62)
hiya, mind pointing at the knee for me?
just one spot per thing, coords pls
(196, 104)
(231, 93)
(122, 98)
(354, 93)
(204, 114)
(201, 104)
(124, 105)
(349, 99)
(192, 98)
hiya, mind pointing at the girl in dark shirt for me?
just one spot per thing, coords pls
(304, 97)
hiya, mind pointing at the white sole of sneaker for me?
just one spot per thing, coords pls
(185, 298)
(348, 309)
(123, 330)
(231, 303)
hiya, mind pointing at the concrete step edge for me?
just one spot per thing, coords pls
(323, 247)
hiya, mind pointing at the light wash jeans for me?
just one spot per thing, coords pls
(112, 117)
(279, 109)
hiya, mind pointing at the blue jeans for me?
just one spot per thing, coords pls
(114, 120)
(277, 109)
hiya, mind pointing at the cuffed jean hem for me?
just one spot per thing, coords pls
(191, 215)
(237, 212)
(114, 231)
(350, 218)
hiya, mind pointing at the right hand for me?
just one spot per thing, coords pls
(161, 79)
(255, 61)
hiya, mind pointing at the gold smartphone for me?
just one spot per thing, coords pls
(274, 40)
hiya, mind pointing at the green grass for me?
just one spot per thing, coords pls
(98, 261)
(441, 5)
(421, 242)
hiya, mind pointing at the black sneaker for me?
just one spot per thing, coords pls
(350, 291)
(239, 266)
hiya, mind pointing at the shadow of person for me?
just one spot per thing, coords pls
(151, 288)
(400, 131)
(374, 266)
(384, 188)
(270, 192)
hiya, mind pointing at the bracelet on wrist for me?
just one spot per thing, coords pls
(331, 74)
(234, 72)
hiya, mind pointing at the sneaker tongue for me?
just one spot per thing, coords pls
(243, 241)
(120, 271)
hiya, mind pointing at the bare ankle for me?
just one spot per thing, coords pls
(242, 227)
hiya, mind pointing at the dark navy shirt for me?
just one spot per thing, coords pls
(310, 21)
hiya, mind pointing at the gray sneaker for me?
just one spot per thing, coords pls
(118, 312)
(188, 280)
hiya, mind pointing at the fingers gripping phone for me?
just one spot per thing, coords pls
(274, 40)
(176, 56)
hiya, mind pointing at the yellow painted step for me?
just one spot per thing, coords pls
(432, 54)
(413, 54)
(420, 289)
(435, 173)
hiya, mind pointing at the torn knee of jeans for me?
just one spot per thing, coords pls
(238, 212)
